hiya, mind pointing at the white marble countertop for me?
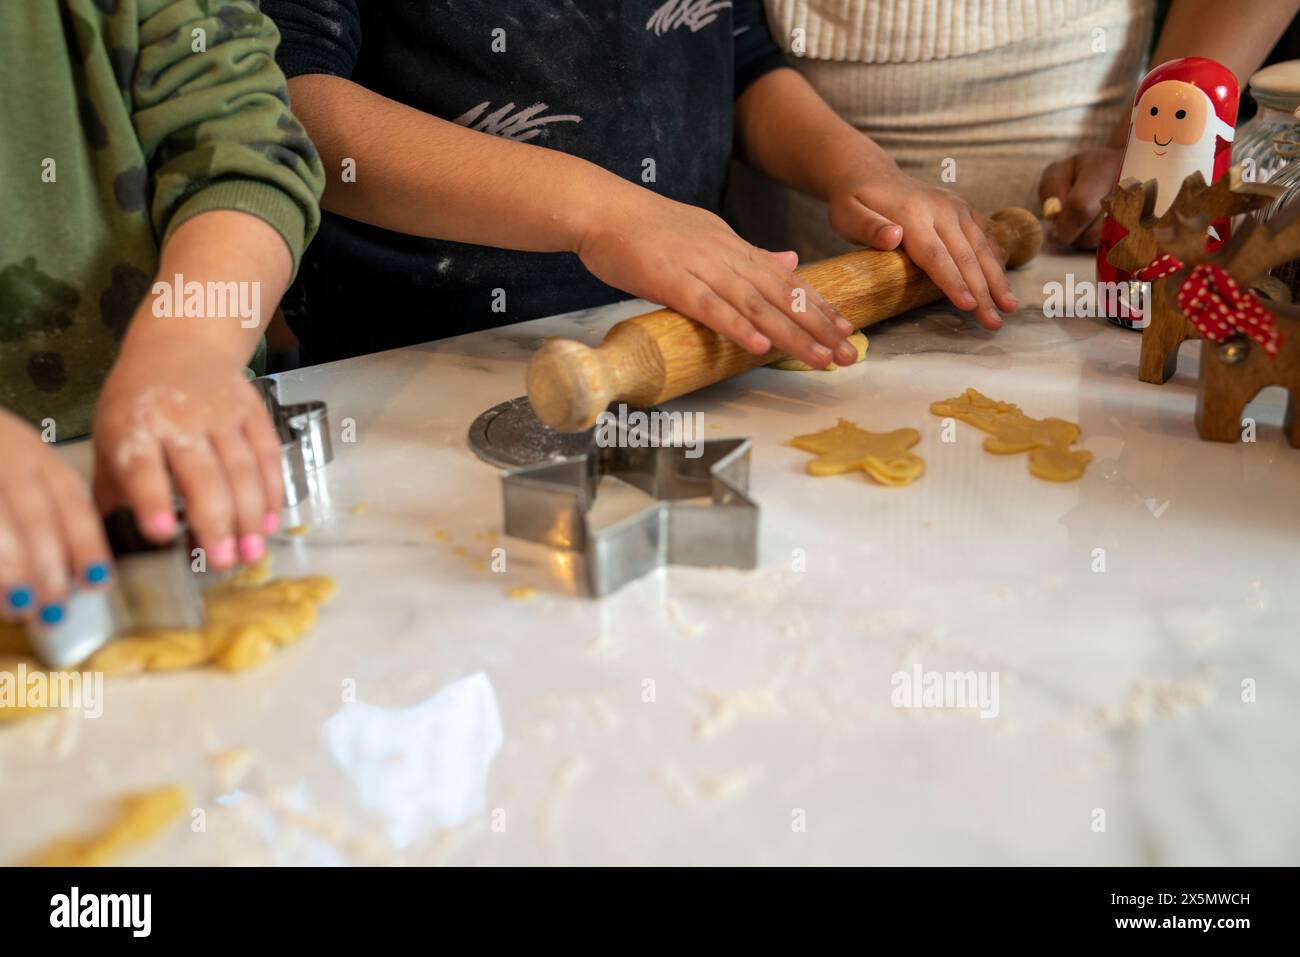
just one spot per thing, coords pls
(713, 715)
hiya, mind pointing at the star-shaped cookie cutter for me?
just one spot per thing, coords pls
(304, 432)
(549, 502)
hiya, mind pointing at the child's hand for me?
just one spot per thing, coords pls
(690, 260)
(50, 534)
(880, 206)
(192, 414)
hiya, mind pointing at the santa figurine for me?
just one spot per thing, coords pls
(1183, 122)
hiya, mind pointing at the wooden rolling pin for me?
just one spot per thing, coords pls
(658, 356)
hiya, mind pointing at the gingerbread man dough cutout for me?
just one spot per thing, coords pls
(1010, 431)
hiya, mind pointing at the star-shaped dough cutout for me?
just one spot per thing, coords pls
(845, 448)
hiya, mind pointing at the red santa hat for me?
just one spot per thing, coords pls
(1210, 77)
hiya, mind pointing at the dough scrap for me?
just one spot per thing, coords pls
(245, 625)
(249, 616)
(140, 818)
(1010, 431)
(857, 340)
(844, 447)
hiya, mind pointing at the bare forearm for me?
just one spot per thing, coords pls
(786, 130)
(1238, 36)
(236, 263)
(421, 175)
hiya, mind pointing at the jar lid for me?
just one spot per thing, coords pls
(1277, 85)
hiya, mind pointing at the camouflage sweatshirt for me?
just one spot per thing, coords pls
(120, 120)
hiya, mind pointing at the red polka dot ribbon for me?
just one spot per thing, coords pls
(1158, 268)
(1214, 303)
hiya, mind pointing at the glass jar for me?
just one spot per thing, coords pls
(1269, 140)
(1287, 180)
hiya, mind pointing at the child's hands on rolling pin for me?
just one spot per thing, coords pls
(787, 131)
(690, 260)
(880, 206)
(50, 533)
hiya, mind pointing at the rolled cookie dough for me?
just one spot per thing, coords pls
(1010, 431)
(249, 616)
(857, 340)
(844, 447)
(246, 623)
(140, 818)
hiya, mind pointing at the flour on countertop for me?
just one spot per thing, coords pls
(723, 787)
(1158, 698)
(712, 790)
(568, 778)
(232, 766)
(727, 709)
(691, 629)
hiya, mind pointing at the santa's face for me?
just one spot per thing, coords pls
(1171, 113)
(1173, 136)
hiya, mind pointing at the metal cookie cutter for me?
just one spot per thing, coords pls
(703, 514)
(304, 431)
(153, 587)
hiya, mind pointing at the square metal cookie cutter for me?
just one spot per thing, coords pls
(305, 446)
(548, 503)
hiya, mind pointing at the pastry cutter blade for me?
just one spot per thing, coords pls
(153, 588)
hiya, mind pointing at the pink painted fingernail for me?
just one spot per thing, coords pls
(252, 548)
(223, 553)
(162, 524)
(271, 523)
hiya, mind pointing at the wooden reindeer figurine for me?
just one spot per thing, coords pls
(1250, 343)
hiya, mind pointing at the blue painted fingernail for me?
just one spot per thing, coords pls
(20, 598)
(52, 614)
(97, 573)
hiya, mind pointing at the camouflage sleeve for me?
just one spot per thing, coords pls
(211, 110)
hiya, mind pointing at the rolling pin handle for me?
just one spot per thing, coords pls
(569, 385)
(1019, 233)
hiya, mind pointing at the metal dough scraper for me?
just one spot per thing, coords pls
(153, 588)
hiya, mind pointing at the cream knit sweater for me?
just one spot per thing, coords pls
(974, 95)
